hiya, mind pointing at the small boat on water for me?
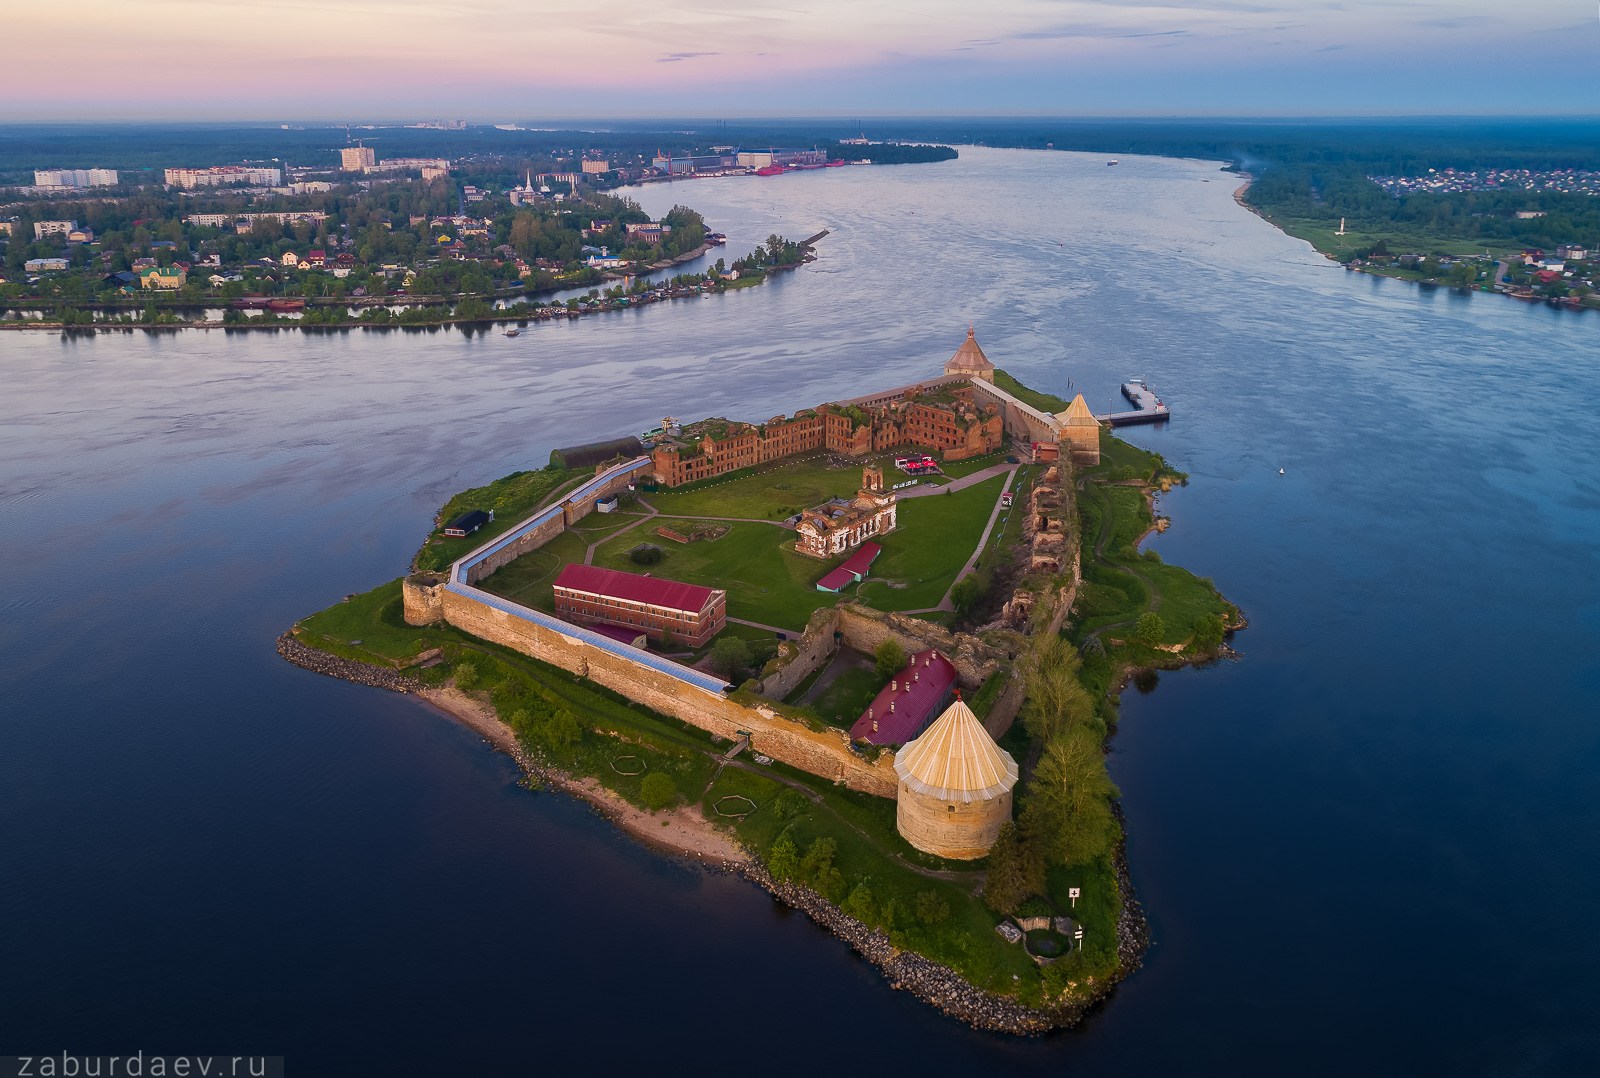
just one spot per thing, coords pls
(1112, 161)
(512, 332)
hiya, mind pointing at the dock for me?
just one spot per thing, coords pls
(1147, 407)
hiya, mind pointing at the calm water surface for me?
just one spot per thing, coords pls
(1370, 846)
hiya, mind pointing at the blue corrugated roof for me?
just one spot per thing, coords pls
(699, 680)
(458, 584)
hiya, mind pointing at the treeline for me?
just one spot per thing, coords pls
(1307, 192)
(892, 154)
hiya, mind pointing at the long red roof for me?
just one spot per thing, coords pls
(853, 569)
(914, 692)
(633, 587)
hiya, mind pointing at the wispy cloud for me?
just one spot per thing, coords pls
(672, 58)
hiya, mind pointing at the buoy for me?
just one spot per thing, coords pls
(1280, 471)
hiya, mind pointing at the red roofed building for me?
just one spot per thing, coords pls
(588, 594)
(911, 699)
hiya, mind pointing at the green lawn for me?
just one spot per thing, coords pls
(842, 703)
(933, 539)
(512, 499)
(1323, 235)
(1045, 402)
(769, 492)
(765, 579)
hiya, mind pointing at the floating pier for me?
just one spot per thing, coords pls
(1147, 407)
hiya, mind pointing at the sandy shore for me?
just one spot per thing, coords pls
(682, 830)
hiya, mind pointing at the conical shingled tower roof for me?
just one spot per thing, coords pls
(955, 759)
(1078, 414)
(969, 357)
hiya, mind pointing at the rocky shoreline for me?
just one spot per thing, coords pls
(936, 985)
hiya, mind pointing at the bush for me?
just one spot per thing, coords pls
(1149, 628)
(1015, 872)
(561, 729)
(729, 657)
(931, 909)
(861, 904)
(466, 675)
(645, 555)
(1207, 631)
(890, 657)
(658, 791)
(784, 861)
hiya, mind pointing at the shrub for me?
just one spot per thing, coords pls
(466, 675)
(861, 904)
(1149, 627)
(790, 804)
(645, 555)
(658, 791)
(1207, 631)
(561, 729)
(1015, 873)
(931, 909)
(784, 861)
(890, 657)
(730, 656)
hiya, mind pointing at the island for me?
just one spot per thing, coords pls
(868, 655)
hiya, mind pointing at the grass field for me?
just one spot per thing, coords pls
(1323, 235)
(769, 492)
(1045, 402)
(765, 579)
(512, 499)
(934, 538)
(528, 580)
(842, 703)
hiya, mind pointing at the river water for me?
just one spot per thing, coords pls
(1368, 846)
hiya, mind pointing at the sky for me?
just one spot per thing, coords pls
(519, 60)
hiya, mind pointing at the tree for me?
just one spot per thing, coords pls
(1207, 631)
(861, 904)
(1056, 698)
(562, 729)
(965, 595)
(729, 656)
(1069, 816)
(784, 861)
(658, 791)
(1016, 873)
(1149, 628)
(890, 657)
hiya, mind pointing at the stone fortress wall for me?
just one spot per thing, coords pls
(691, 695)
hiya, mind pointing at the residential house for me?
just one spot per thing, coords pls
(290, 259)
(41, 229)
(317, 258)
(45, 265)
(169, 277)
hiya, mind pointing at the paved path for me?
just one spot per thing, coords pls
(959, 484)
(1501, 268)
(588, 555)
(769, 628)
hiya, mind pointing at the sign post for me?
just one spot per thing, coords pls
(1072, 893)
(1078, 935)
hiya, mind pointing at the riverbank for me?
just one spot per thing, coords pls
(683, 831)
(520, 314)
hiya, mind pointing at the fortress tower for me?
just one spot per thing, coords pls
(955, 787)
(872, 478)
(1081, 430)
(970, 360)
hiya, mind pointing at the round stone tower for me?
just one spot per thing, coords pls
(955, 787)
(423, 598)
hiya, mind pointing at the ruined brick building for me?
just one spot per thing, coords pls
(845, 523)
